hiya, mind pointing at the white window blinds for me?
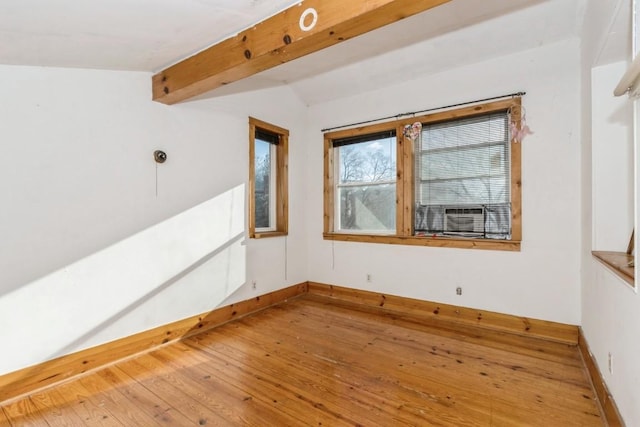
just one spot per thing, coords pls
(464, 163)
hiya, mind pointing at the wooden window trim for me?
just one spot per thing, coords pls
(405, 185)
(282, 173)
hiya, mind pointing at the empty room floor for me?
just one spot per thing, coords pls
(309, 361)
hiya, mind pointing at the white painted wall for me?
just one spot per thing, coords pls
(541, 281)
(89, 252)
(612, 161)
(610, 308)
(610, 323)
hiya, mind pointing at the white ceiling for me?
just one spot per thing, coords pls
(148, 35)
(140, 35)
(458, 33)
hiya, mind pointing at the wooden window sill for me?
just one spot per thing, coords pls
(618, 263)
(265, 234)
(442, 242)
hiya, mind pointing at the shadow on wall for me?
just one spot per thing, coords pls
(181, 267)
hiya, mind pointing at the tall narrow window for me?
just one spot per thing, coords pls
(268, 204)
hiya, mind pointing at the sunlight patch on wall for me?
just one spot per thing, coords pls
(183, 266)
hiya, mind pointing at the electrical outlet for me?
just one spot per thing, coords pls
(254, 284)
(610, 363)
(369, 277)
(458, 290)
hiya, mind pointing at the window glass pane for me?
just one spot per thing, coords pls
(366, 184)
(469, 176)
(371, 161)
(368, 208)
(475, 130)
(470, 191)
(263, 184)
(464, 163)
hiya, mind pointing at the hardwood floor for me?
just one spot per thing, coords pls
(311, 362)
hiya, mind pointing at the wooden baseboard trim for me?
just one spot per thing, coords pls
(436, 313)
(607, 404)
(18, 383)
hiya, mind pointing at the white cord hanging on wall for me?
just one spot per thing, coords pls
(285, 258)
(333, 255)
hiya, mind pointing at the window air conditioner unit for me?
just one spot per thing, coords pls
(464, 220)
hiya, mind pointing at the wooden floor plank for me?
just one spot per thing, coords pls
(529, 346)
(182, 400)
(294, 396)
(55, 412)
(308, 362)
(451, 351)
(128, 412)
(147, 402)
(4, 421)
(245, 385)
(484, 374)
(24, 413)
(90, 409)
(467, 359)
(367, 389)
(332, 385)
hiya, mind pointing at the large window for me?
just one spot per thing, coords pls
(453, 181)
(267, 179)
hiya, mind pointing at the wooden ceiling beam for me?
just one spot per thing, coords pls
(304, 28)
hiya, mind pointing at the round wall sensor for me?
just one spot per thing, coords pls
(160, 156)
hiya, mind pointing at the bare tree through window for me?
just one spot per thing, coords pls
(367, 185)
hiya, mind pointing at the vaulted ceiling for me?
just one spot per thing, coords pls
(149, 35)
(141, 35)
